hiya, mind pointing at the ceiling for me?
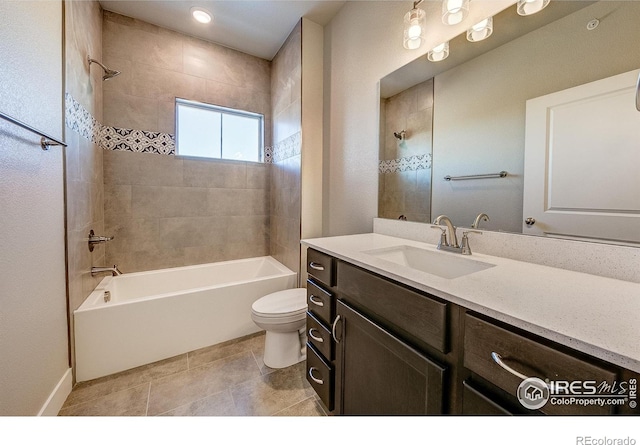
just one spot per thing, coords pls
(258, 27)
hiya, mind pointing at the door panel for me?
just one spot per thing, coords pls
(380, 375)
(582, 150)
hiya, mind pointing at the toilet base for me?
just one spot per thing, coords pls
(282, 349)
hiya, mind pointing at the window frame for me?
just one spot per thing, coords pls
(222, 110)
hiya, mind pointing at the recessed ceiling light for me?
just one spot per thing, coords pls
(200, 15)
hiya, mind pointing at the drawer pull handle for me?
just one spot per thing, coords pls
(317, 380)
(316, 300)
(316, 266)
(498, 359)
(333, 329)
(318, 339)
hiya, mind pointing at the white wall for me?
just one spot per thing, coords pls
(363, 43)
(33, 320)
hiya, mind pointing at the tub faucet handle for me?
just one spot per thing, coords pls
(96, 239)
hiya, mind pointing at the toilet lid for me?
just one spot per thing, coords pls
(282, 302)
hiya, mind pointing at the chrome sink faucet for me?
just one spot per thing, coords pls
(114, 271)
(480, 217)
(452, 246)
(453, 239)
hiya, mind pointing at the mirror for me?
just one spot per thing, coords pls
(466, 114)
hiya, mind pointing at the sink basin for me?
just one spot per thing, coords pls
(430, 261)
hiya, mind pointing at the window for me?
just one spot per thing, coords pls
(216, 132)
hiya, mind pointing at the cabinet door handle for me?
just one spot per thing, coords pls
(315, 379)
(318, 339)
(316, 300)
(498, 359)
(316, 266)
(333, 329)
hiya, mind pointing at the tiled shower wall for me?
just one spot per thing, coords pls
(286, 88)
(167, 211)
(84, 178)
(405, 166)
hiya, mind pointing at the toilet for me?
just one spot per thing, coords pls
(282, 315)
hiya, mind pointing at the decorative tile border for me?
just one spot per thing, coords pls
(113, 138)
(287, 148)
(411, 163)
(80, 120)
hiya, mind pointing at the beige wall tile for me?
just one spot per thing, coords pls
(128, 111)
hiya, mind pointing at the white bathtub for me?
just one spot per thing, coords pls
(162, 313)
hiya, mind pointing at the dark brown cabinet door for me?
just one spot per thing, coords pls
(377, 374)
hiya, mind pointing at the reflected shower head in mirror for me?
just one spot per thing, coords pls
(401, 136)
(108, 73)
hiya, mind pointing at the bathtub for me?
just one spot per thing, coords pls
(162, 313)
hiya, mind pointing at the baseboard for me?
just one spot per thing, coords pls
(59, 394)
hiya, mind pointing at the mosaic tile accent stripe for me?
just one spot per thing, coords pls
(288, 148)
(410, 163)
(82, 122)
(140, 141)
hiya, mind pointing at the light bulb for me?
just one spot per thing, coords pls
(481, 30)
(439, 53)
(454, 11)
(528, 7)
(414, 31)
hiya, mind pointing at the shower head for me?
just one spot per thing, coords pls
(108, 73)
(401, 136)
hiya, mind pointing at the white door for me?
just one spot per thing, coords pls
(582, 162)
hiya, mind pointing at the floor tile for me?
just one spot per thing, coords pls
(186, 387)
(129, 402)
(308, 407)
(92, 389)
(273, 392)
(209, 354)
(219, 404)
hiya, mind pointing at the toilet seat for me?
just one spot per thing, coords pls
(286, 304)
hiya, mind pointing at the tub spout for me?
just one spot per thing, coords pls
(113, 270)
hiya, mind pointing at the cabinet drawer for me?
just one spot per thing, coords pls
(321, 266)
(320, 376)
(319, 336)
(408, 313)
(320, 302)
(530, 358)
(477, 404)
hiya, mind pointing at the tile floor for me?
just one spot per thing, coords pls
(229, 379)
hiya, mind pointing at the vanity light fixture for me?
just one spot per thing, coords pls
(481, 30)
(439, 53)
(201, 15)
(528, 7)
(414, 25)
(454, 11)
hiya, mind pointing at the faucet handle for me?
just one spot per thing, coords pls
(443, 236)
(464, 244)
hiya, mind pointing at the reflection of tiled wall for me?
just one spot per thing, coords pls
(286, 167)
(405, 166)
(167, 211)
(84, 180)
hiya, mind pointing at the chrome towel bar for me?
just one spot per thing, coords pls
(502, 174)
(46, 141)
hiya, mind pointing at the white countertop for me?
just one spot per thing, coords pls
(592, 314)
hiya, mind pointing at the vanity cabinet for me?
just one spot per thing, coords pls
(381, 347)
